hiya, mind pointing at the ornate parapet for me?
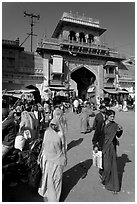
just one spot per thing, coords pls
(75, 18)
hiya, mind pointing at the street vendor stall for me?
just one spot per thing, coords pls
(13, 96)
(117, 95)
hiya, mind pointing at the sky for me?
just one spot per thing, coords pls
(117, 17)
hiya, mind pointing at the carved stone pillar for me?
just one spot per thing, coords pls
(116, 79)
(97, 40)
(99, 81)
(77, 37)
(86, 38)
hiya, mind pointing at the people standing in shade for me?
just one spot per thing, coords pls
(52, 161)
(111, 131)
(97, 127)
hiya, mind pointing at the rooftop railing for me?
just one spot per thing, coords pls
(51, 40)
(78, 17)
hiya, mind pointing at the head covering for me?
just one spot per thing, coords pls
(110, 112)
(54, 121)
(102, 107)
(18, 109)
(26, 120)
(57, 112)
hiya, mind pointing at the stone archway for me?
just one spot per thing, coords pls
(84, 78)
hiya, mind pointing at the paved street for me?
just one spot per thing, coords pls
(81, 179)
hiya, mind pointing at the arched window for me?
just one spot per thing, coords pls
(91, 38)
(72, 36)
(82, 37)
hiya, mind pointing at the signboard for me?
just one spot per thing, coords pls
(45, 67)
(57, 64)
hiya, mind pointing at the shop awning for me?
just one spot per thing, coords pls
(110, 63)
(111, 91)
(60, 88)
(20, 91)
(123, 91)
(12, 95)
(114, 91)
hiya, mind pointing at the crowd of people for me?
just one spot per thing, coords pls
(122, 103)
(26, 122)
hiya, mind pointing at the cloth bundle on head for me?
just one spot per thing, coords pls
(19, 142)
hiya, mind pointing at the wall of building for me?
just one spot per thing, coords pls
(20, 68)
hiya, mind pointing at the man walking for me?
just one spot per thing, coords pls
(97, 126)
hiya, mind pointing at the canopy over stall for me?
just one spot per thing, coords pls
(114, 91)
(12, 96)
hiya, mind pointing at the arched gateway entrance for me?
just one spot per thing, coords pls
(85, 79)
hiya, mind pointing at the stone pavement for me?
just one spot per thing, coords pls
(81, 181)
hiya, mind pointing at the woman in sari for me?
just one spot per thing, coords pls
(29, 122)
(52, 161)
(84, 120)
(111, 131)
(63, 126)
(90, 113)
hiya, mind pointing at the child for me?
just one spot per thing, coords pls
(97, 157)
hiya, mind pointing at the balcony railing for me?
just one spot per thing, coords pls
(109, 85)
(109, 75)
(84, 44)
(71, 43)
(51, 40)
(56, 82)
